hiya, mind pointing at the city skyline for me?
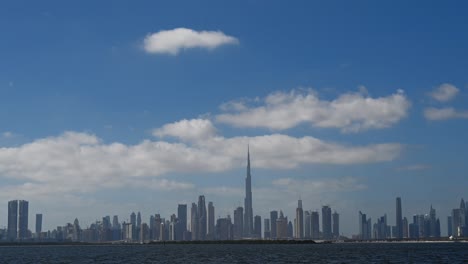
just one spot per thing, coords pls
(305, 225)
(128, 107)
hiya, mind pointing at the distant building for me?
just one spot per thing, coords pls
(12, 220)
(211, 221)
(299, 221)
(273, 218)
(326, 222)
(224, 229)
(364, 227)
(282, 227)
(380, 228)
(449, 225)
(399, 219)
(248, 214)
(38, 224)
(404, 226)
(23, 212)
(307, 225)
(194, 221)
(266, 228)
(202, 216)
(144, 232)
(336, 225)
(257, 232)
(239, 223)
(315, 225)
(181, 221)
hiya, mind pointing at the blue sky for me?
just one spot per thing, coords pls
(111, 107)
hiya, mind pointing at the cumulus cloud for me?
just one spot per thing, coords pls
(81, 162)
(174, 40)
(437, 114)
(194, 129)
(444, 92)
(350, 112)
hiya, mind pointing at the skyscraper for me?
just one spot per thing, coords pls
(202, 216)
(281, 226)
(23, 212)
(315, 225)
(326, 222)
(38, 224)
(181, 221)
(266, 228)
(248, 214)
(299, 232)
(364, 227)
(257, 226)
(307, 225)
(399, 219)
(194, 221)
(12, 219)
(273, 217)
(211, 221)
(336, 225)
(238, 222)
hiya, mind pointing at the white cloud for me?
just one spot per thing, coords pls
(309, 185)
(81, 162)
(7, 134)
(414, 167)
(350, 112)
(194, 129)
(175, 40)
(436, 114)
(444, 92)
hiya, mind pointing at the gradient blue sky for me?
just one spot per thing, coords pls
(90, 117)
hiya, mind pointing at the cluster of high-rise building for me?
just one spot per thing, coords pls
(457, 222)
(202, 224)
(423, 226)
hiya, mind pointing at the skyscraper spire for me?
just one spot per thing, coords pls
(248, 215)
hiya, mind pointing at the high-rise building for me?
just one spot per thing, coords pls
(257, 232)
(404, 226)
(336, 225)
(181, 221)
(326, 222)
(315, 225)
(12, 220)
(224, 229)
(211, 221)
(364, 227)
(266, 228)
(38, 224)
(273, 218)
(299, 231)
(238, 222)
(133, 219)
(202, 216)
(380, 228)
(449, 226)
(248, 214)
(138, 221)
(23, 211)
(399, 219)
(307, 225)
(281, 226)
(194, 221)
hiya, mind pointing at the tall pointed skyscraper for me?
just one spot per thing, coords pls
(248, 215)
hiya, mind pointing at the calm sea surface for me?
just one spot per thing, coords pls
(326, 253)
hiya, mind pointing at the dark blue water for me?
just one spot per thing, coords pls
(326, 253)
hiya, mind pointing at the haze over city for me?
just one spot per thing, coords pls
(112, 109)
